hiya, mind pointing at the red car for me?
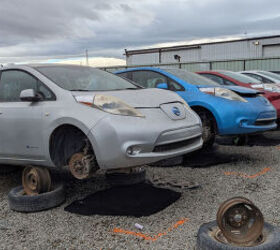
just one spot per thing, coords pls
(271, 92)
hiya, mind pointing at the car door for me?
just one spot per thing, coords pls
(20, 121)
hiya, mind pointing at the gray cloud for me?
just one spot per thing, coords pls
(65, 28)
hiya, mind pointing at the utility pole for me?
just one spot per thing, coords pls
(86, 57)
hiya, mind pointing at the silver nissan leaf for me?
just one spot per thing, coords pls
(86, 119)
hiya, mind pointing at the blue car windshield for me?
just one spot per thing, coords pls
(81, 78)
(191, 78)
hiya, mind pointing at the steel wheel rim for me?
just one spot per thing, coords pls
(240, 221)
(36, 180)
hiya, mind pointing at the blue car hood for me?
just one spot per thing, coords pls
(237, 89)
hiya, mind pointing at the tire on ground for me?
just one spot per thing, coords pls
(20, 202)
(208, 128)
(206, 242)
(125, 179)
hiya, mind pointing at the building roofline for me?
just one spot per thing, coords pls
(190, 46)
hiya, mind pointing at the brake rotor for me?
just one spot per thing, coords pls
(240, 221)
(81, 165)
(36, 180)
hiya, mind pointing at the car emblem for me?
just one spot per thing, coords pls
(176, 111)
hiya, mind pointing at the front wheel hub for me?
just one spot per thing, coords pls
(82, 166)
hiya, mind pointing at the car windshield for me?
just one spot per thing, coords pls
(239, 77)
(270, 74)
(190, 77)
(83, 78)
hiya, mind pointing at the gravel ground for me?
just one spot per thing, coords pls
(57, 229)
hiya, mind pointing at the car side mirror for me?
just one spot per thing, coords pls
(162, 85)
(29, 95)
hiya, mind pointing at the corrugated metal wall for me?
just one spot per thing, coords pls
(262, 54)
(226, 51)
(234, 65)
(228, 65)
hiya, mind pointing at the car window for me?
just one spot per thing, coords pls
(215, 78)
(84, 78)
(240, 77)
(191, 78)
(174, 86)
(228, 82)
(124, 75)
(148, 79)
(14, 81)
(270, 74)
(258, 77)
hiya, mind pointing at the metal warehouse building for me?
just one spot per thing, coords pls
(242, 54)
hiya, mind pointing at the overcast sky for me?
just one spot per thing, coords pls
(60, 29)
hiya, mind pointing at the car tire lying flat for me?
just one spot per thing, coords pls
(20, 202)
(125, 179)
(206, 242)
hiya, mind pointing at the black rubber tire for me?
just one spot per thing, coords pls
(208, 129)
(123, 179)
(207, 242)
(34, 203)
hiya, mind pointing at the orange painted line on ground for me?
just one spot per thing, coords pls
(264, 171)
(147, 237)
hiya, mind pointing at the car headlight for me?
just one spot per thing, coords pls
(271, 89)
(109, 104)
(224, 93)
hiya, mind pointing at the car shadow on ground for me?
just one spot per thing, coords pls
(204, 158)
(213, 157)
(270, 138)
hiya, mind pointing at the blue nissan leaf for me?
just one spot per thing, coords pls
(224, 110)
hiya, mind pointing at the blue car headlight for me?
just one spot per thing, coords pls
(224, 93)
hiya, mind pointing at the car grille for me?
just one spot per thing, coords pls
(176, 145)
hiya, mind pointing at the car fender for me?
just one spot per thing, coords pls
(57, 123)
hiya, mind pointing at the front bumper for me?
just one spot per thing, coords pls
(246, 119)
(123, 141)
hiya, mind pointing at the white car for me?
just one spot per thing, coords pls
(263, 76)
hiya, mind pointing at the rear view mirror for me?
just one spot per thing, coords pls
(29, 95)
(162, 85)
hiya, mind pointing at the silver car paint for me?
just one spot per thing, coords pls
(25, 127)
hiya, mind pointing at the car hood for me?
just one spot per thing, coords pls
(242, 90)
(139, 98)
